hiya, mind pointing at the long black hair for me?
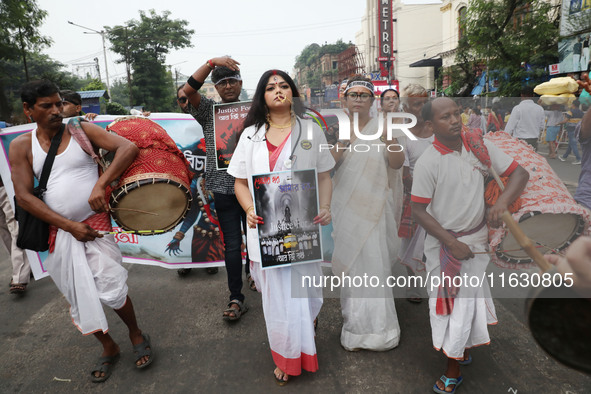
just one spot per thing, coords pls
(257, 115)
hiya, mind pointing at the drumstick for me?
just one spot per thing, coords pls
(135, 210)
(138, 232)
(516, 250)
(518, 233)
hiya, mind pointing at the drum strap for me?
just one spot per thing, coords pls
(76, 131)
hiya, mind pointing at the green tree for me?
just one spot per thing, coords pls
(516, 39)
(94, 84)
(119, 91)
(143, 45)
(19, 36)
(40, 67)
(309, 61)
(114, 108)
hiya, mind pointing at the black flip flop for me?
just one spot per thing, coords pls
(141, 350)
(104, 364)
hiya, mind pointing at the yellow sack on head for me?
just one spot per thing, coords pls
(557, 86)
(561, 99)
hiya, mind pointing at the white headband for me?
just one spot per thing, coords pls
(363, 84)
(236, 77)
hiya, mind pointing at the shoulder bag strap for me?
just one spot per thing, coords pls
(55, 143)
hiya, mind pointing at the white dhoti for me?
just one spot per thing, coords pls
(473, 308)
(289, 318)
(88, 274)
(411, 250)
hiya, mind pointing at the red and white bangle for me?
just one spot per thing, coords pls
(210, 64)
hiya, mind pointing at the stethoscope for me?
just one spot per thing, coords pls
(292, 158)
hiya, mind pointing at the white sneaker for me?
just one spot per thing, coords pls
(577, 162)
(561, 158)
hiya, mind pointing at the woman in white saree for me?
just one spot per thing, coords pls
(266, 145)
(366, 206)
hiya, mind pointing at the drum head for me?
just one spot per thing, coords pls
(150, 205)
(553, 231)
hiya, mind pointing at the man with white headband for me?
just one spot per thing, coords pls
(228, 83)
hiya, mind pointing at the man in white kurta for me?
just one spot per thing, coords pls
(448, 196)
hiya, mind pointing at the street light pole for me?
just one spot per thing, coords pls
(102, 34)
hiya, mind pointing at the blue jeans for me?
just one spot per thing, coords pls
(232, 219)
(573, 145)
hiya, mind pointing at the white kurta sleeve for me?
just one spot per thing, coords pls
(502, 163)
(424, 179)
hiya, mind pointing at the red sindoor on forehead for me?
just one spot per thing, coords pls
(274, 72)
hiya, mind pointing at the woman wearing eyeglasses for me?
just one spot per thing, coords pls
(275, 139)
(366, 207)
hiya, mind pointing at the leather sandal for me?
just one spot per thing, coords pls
(17, 288)
(242, 309)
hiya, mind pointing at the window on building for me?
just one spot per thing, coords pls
(462, 22)
(334, 64)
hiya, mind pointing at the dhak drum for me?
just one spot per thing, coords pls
(549, 216)
(153, 194)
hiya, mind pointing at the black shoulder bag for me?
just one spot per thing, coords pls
(33, 233)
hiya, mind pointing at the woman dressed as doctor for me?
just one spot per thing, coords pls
(273, 140)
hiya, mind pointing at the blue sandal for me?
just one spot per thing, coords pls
(448, 382)
(467, 361)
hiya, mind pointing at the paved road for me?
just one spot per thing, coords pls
(196, 351)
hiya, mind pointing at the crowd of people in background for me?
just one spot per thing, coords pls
(386, 206)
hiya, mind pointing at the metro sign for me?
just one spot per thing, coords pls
(385, 29)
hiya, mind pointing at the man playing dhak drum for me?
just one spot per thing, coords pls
(448, 202)
(84, 264)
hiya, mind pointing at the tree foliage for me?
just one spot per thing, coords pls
(40, 67)
(517, 39)
(19, 36)
(94, 84)
(114, 108)
(309, 60)
(143, 45)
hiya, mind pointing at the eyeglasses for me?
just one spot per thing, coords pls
(361, 96)
(230, 82)
(182, 100)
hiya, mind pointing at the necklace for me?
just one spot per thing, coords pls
(280, 126)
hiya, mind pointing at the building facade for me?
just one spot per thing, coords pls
(416, 36)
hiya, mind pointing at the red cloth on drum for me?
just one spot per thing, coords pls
(158, 151)
(544, 192)
(100, 222)
(450, 267)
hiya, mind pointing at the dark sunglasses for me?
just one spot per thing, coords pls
(182, 100)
